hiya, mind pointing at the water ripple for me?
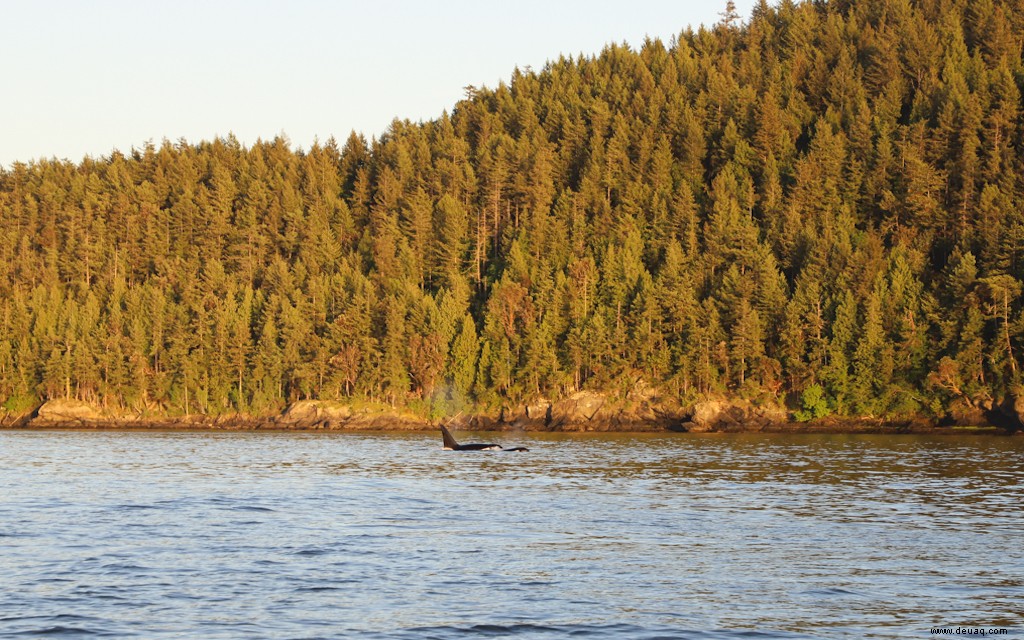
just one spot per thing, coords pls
(167, 535)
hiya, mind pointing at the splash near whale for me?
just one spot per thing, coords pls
(450, 444)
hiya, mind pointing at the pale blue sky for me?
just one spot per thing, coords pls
(86, 77)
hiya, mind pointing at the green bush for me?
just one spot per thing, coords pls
(20, 403)
(815, 405)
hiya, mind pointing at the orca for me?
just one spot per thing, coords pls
(451, 445)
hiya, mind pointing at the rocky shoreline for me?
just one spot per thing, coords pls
(581, 412)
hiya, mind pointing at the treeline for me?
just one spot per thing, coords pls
(824, 199)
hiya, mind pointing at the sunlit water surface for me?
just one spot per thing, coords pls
(291, 535)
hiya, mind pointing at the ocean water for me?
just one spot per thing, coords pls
(328, 535)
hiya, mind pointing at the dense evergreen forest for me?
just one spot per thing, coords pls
(820, 204)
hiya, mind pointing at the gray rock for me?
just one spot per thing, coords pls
(67, 412)
(310, 412)
(579, 408)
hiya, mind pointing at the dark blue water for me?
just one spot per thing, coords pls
(245, 535)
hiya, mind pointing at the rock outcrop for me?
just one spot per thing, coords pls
(74, 413)
(585, 411)
(1008, 414)
(313, 413)
(324, 414)
(384, 421)
(578, 409)
(720, 415)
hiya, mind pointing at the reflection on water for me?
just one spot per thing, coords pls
(386, 535)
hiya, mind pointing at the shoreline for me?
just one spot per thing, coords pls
(270, 425)
(972, 431)
(584, 413)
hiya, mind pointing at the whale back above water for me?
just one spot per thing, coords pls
(450, 444)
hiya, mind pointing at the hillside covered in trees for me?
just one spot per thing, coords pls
(821, 204)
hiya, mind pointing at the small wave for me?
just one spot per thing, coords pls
(575, 630)
(325, 588)
(116, 567)
(134, 507)
(510, 629)
(58, 626)
(447, 632)
(247, 507)
(832, 591)
(313, 552)
(58, 631)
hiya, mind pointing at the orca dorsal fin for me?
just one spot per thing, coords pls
(449, 441)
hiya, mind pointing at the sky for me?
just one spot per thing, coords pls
(88, 77)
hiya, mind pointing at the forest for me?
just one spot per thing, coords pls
(818, 205)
